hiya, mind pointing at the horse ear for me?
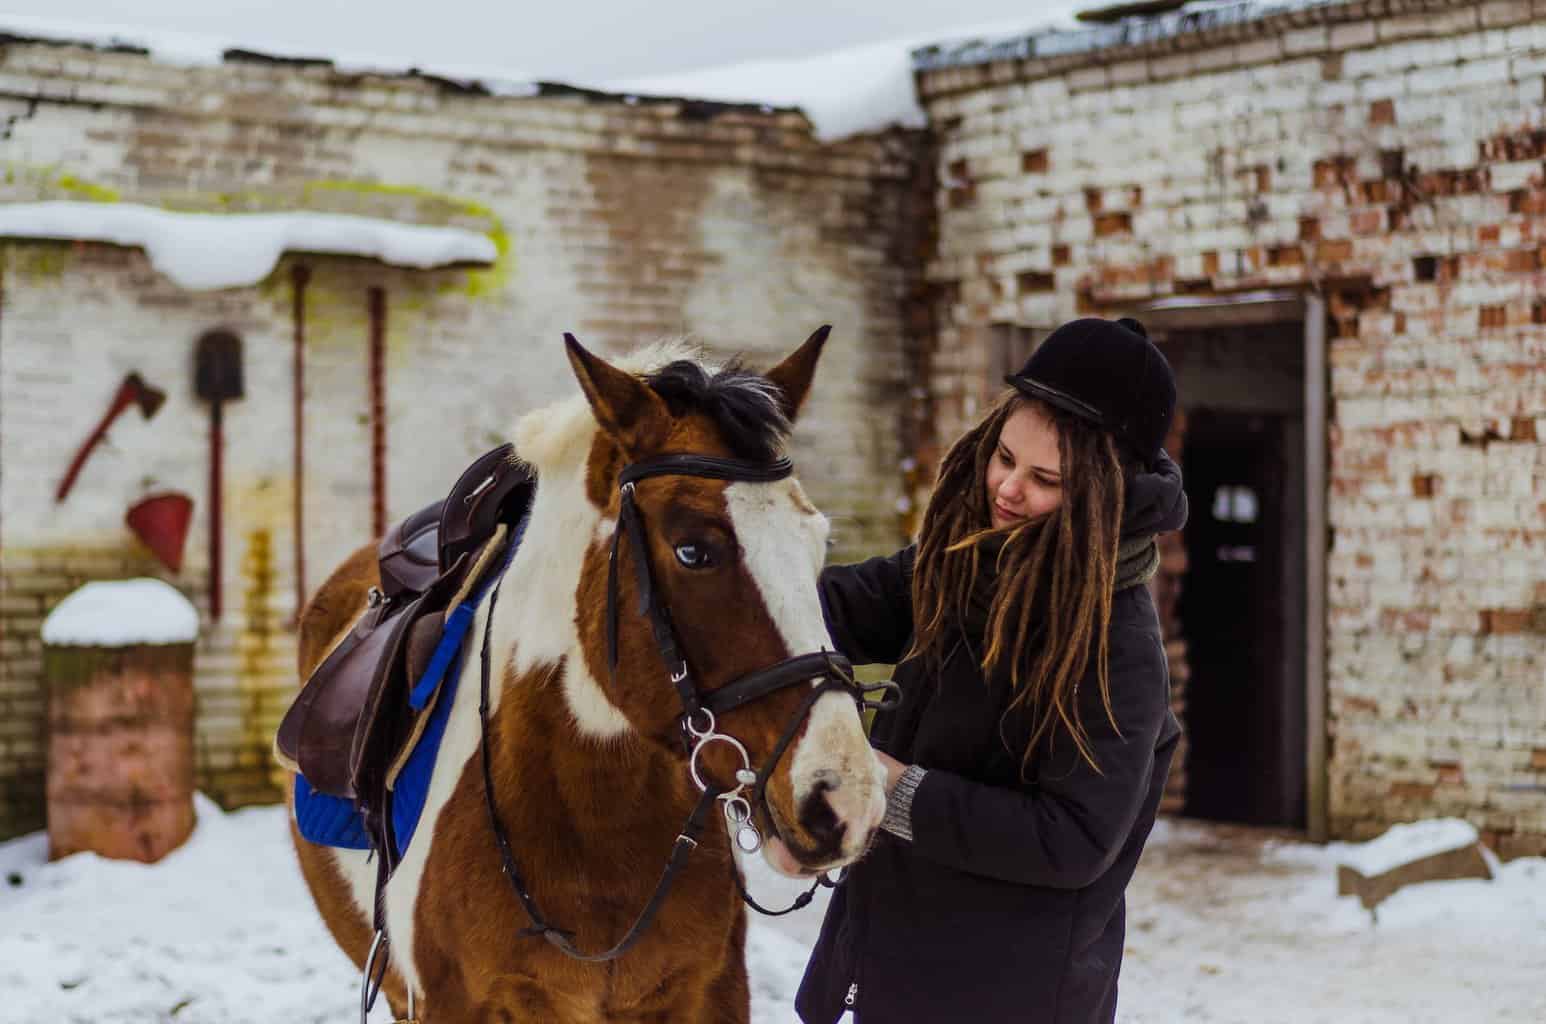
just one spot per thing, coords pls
(793, 376)
(629, 411)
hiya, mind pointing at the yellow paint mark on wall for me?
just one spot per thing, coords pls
(435, 207)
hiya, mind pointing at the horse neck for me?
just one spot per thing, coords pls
(605, 776)
(551, 774)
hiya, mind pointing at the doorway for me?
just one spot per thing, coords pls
(1244, 601)
(1241, 612)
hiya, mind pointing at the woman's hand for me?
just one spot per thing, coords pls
(894, 769)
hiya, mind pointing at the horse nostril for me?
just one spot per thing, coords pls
(818, 818)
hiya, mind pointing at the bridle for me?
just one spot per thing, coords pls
(700, 710)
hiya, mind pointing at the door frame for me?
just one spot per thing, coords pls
(1193, 312)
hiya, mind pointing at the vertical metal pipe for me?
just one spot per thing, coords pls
(1316, 385)
(300, 275)
(216, 485)
(378, 410)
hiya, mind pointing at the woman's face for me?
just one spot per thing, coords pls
(1025, 473)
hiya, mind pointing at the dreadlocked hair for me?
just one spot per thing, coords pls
(1056, 574)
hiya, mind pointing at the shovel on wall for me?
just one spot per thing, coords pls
(217, 378)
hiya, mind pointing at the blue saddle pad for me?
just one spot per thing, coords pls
(334, 821)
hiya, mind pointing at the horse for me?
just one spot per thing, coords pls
(588, 776)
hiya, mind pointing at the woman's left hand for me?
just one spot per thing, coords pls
(894, 769)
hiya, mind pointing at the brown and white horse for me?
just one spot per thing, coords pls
(589, 774)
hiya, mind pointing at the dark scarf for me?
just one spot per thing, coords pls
(1137, 563)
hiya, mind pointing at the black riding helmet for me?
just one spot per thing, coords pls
(1109, 373)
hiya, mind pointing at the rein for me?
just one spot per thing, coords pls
(698, 720)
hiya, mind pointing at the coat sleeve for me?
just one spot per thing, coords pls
(1065, 829)
(868, 607)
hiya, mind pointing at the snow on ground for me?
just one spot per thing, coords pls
(1224, 926)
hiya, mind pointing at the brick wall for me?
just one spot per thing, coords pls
(1389, 155)
(621, 222)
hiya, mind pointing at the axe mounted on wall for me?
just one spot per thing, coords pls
(133, 391)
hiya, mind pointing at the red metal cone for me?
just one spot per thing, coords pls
(161, 521)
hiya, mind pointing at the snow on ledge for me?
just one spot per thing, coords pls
(120, 613)
(1403, 844)
(205, 251)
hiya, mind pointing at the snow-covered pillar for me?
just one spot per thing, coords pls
(118, 668)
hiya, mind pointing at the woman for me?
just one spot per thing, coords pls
(1026, 760)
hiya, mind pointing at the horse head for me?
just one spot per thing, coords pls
(701, 573)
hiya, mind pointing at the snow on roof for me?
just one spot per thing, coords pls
(844, 92)
(119, 613)
(1196, 16)
(1403, 844)
(203, 251)
(199, 50)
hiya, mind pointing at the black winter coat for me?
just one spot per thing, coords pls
(1007, 905)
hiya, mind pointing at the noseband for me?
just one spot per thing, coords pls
(701, 709)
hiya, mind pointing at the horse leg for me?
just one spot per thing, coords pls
(336, 903)
(729, 999)
(721, 998)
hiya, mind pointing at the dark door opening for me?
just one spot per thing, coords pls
(1242, 603)
(1245, 704)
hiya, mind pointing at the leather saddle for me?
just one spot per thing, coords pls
(352, 721)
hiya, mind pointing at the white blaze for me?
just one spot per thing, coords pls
(783, 540)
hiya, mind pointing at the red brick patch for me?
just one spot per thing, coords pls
(1060, 256)
(1423, 485)
(1309, 229)
(1418, 791)
(1522, 261)
(1522, 429)
(1034, 281)
(1538, 759)
(1492, 316)
(1335, 251)
(1382, 112)
(1332, 171)
(1450, 772)
(1113, 224)
(1507, 620)
(1034, 161)
(1367, 222)
(1527, 200)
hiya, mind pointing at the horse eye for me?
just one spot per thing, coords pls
(694, 556)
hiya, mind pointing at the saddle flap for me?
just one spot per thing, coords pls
(386, 719)
(341, 696)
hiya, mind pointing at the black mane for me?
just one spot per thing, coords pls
(746, 406)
